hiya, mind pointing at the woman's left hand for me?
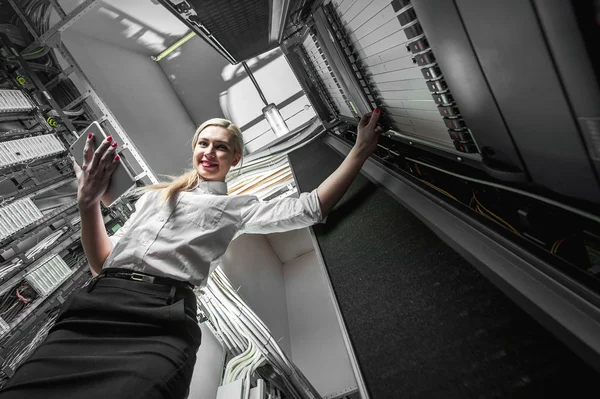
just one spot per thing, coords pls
(368, 133)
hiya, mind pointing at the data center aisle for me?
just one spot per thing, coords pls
(423, 322)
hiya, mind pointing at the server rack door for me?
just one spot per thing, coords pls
(525, 83)
(450, 43)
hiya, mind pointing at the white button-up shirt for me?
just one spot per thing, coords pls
(186, 236)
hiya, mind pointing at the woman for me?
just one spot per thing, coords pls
(132, 332)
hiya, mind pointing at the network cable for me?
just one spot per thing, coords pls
(490, 215)
(240, 328)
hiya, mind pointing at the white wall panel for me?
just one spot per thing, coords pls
(291, 244)
(141, 97)
(251, 264)
(317, 345)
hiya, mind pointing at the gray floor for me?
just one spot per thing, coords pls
(423, 322)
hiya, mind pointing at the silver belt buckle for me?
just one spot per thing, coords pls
(142, 277)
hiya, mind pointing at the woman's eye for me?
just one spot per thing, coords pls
(224, 148)
(202, 143)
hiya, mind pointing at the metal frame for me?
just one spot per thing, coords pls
(5, 42)
(333, 53)
(562, 305)
(344, 60)
(32, 264)
(64, 23)
(277, 18)
(201, 31)
(24, 18)
(52, 38)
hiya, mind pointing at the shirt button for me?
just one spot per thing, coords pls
(144, 242)
(162, 219)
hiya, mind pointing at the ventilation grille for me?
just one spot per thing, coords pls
(241, 26)
(390, 52)
(18, 215)
(48, 276)
(328, 81)
(14, 101)
(28, 149)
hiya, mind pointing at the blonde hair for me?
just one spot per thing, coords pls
(189, 180)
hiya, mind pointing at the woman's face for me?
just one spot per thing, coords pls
(214, 153)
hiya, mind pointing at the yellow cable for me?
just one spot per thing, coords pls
(498, 218)
(28, 54)
(557, 244)
(440, 190)
(418, 170)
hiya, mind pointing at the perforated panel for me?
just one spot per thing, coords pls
(28, 149)
(48, 276)
(329, 82)
(242, 27)
(14, 101)
(17, 215)
(379, 32)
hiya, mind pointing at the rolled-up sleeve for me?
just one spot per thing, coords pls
(127, 226)
(280, 215)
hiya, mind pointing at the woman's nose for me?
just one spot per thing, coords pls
(210, 150)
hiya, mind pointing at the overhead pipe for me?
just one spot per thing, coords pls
(173, 46)
(251, 76)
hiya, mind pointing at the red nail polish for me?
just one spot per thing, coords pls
(114, 144)
(117, 157)
(90, 136)
(376, 110)
(109, 138)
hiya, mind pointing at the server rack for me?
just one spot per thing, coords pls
(41, 257)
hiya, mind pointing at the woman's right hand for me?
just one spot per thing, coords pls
(94, 175)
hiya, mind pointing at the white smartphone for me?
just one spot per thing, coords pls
(121, 180)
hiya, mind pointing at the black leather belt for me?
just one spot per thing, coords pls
(146, 278)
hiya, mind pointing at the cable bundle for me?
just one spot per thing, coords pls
(268, 171)
(45, 243)
(38, 12)
(245, 335)
(65, 91)
(489, 214)
(17, 355)
(8, 269)
(13, 301)
(243, 366)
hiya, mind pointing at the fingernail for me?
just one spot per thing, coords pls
(90, 136)
(114, 144)
(109, 138)
(117, 157)
(376, 110)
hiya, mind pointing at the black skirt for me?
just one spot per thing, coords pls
(115, 339)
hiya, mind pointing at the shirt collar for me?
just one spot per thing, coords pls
(213, 187)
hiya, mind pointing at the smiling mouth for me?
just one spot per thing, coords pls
(208, 165)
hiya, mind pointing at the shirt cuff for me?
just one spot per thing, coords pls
(312, 204)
